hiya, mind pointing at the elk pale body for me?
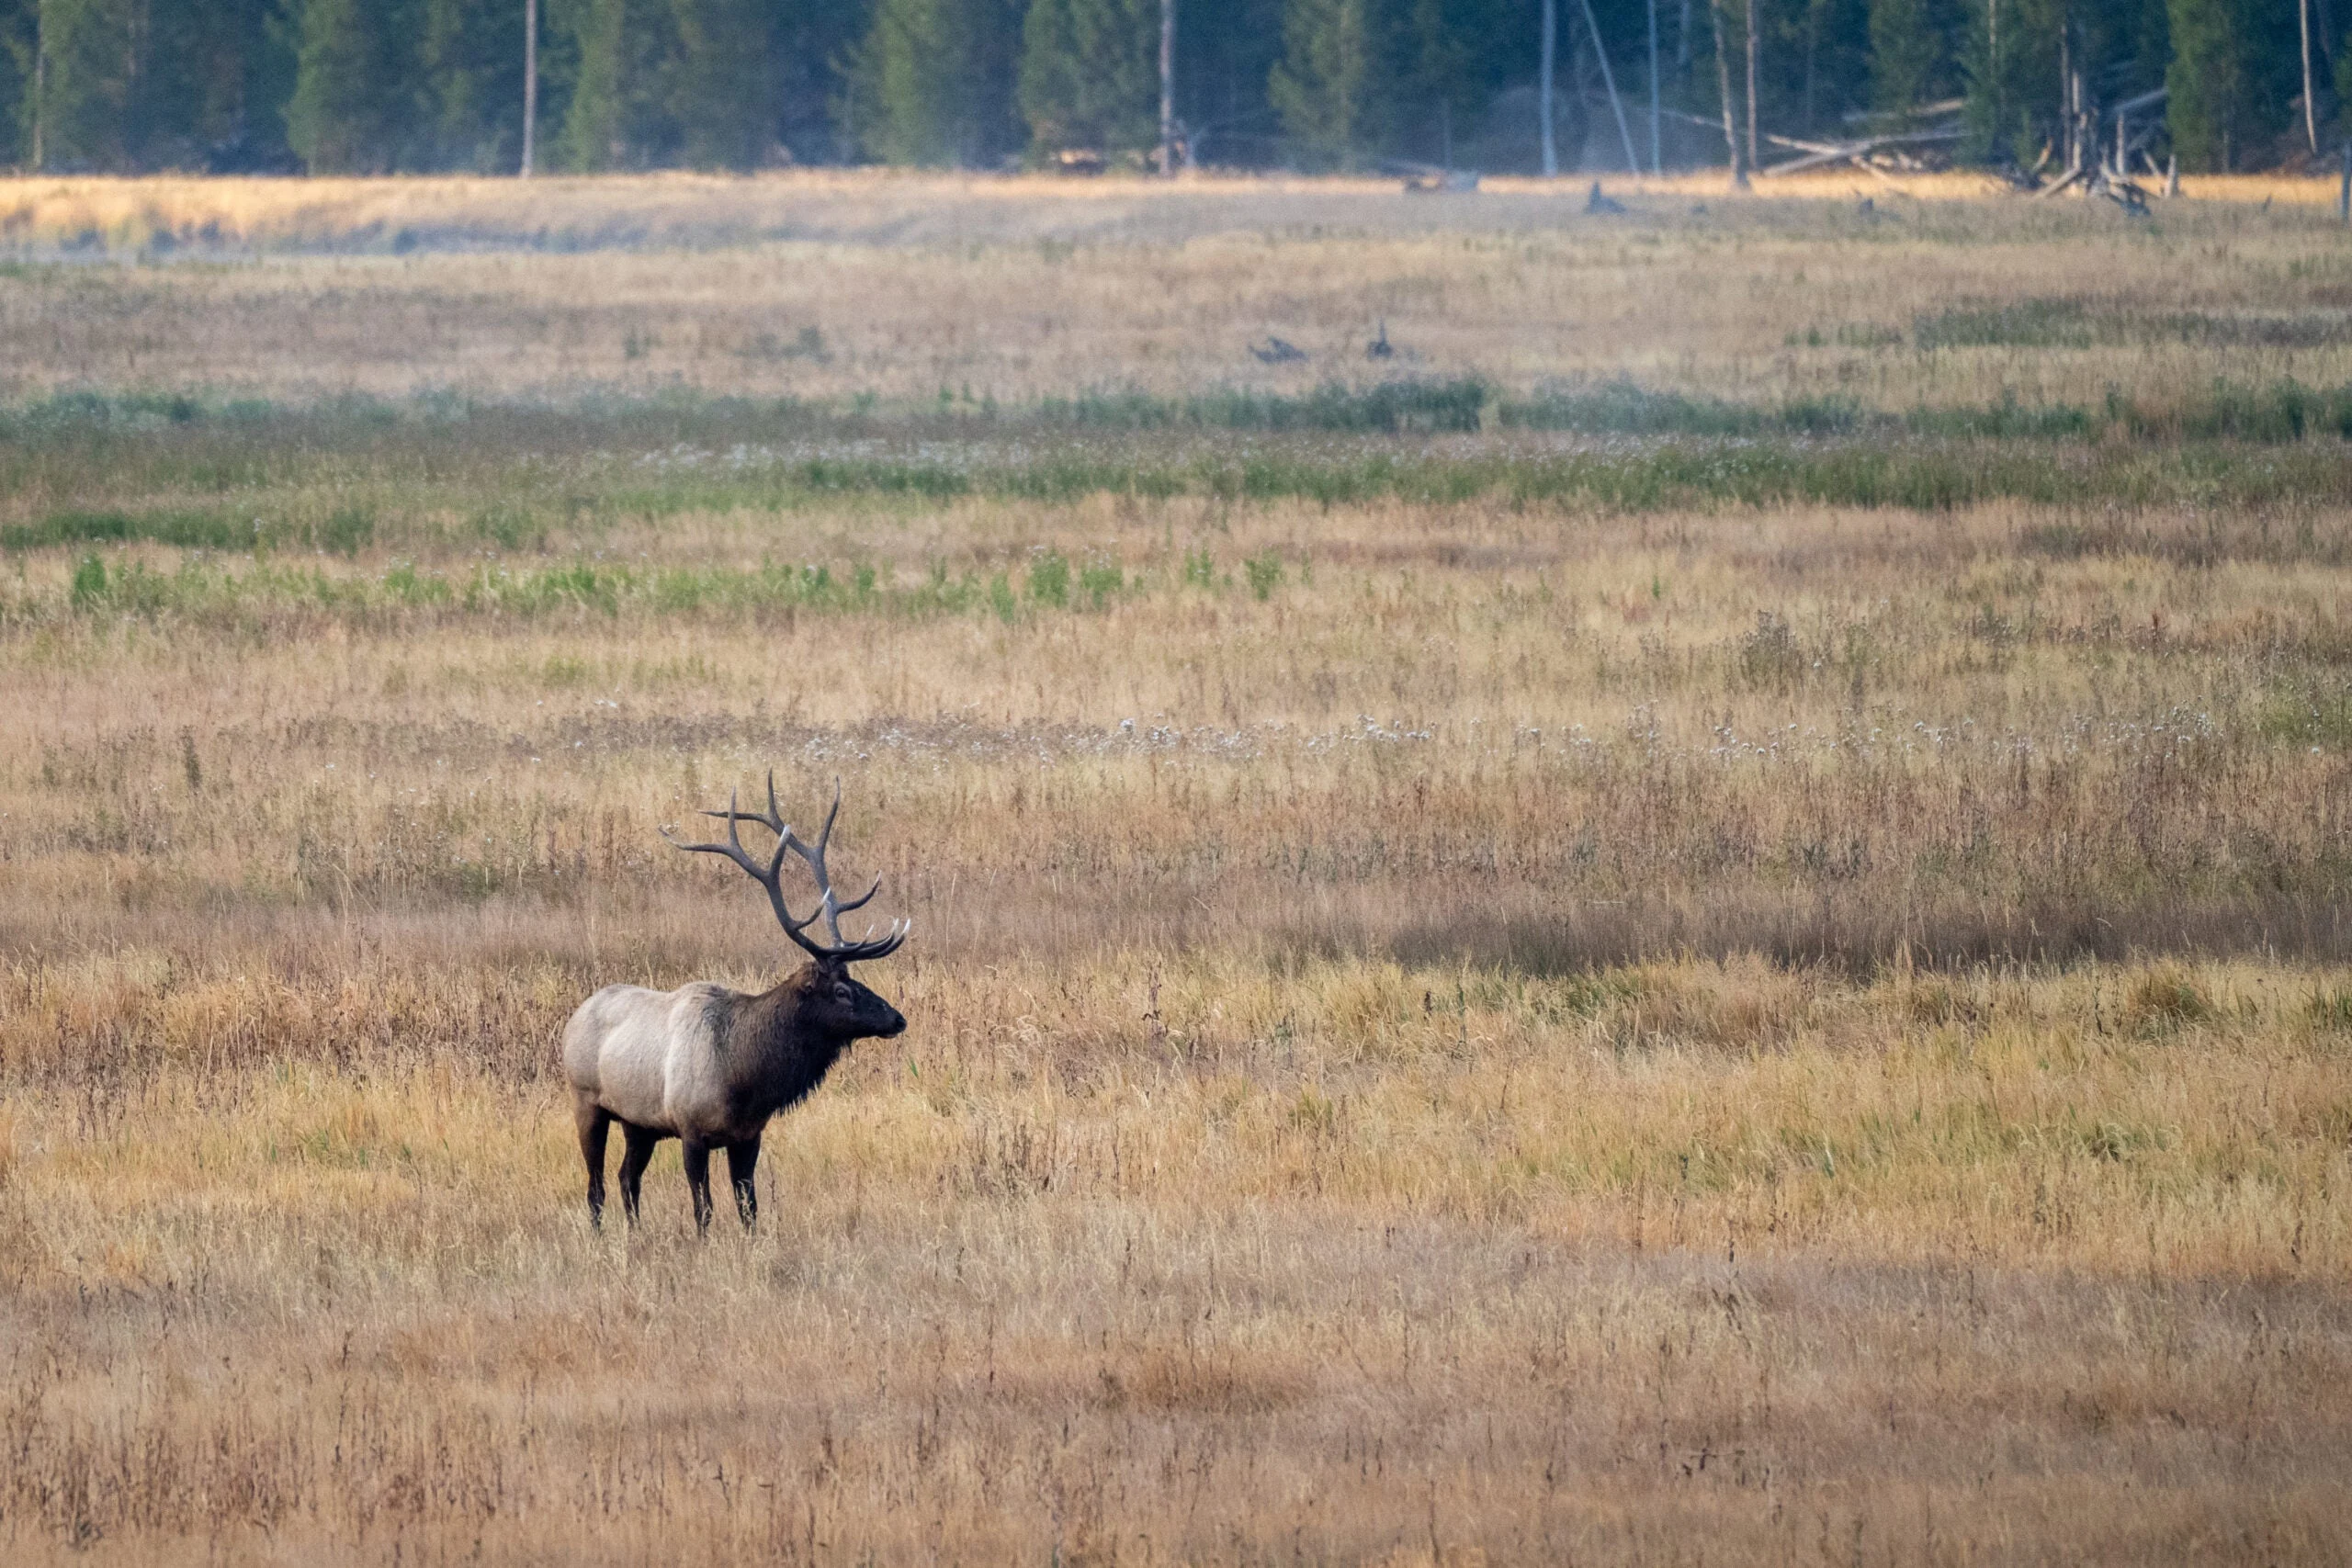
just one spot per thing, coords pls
(709, 1065)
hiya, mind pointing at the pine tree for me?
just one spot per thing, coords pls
(87, 79)
(933, 83)
(618, 115)
(377, 85)
(472, 58)
(1438, 74)
(1322, 87)
(815, 40)
(141, 85)
(221, 74)
(1222, 64)
(2009, 60)
(355, 103)
(2343, 82)
(2121, 45)
(1090, 73)
(1829, 39)
(1908, 58)
(2230, 82)
(718, 85)
(19, 36)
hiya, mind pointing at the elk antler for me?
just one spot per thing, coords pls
(832, 907)
(829, 904)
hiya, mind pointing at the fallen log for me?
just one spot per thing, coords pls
(1821, 155)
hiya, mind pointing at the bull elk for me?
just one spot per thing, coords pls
(708, 1065)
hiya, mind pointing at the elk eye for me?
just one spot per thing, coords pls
(841, 993)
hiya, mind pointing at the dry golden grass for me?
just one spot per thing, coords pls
(130, 214)
(1488, 1032)
(1379, 1284)
(1017, 289)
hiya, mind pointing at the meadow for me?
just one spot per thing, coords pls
(1699, 917)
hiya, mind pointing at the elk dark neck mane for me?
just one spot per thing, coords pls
(774, 1057)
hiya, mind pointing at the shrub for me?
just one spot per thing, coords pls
(2165, 999)
(1265, 574)
(89, 582)
(1050, 578)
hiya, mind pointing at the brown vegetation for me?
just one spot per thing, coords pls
(1010, 290)
(107, 214)
(1503, 1031)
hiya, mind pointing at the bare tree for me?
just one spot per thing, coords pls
(2311, 112)
(1751, 85)
(1544, 87)
(1609, 80)
(1168, 87)
(1722, 88)
(530, 82)
(1657, 141)
(40, 88)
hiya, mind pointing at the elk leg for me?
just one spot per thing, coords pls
(698, 1181)
(594, 1122)
(742, 1160)
(637, 1151)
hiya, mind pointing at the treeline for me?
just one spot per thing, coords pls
(383, 85)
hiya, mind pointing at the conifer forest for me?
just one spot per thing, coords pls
(374, 87)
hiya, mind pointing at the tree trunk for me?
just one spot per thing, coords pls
(2066, 99)
(1609, 80)
(1544, 87)
(1993, 54)
(40, 88)
(1657, 158)
(1168, 88)
(530, 84)
(1751, 85)
(1723, 86)
(2311, 112)
(1812, 66)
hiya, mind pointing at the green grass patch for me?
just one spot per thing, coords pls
(2307, 717)
(345, 531)
(193, 530)
(1914, 474)
(1399, 406)
(2060, 322)
(2272, 414)
(2276, 411)
(437, 475)
(2020, 323)
(266, 592)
